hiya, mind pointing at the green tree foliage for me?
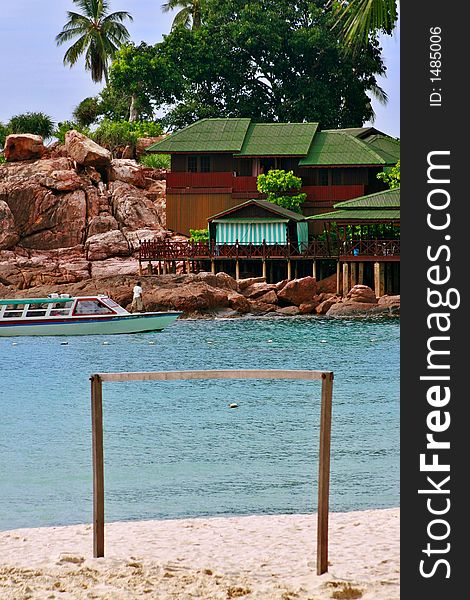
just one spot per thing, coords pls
(37, 123)
(100, 34)
(199, 235)
(65, 126)
(3, 134)
(87, 112)
(391, 177)
(156, 161)
(189, 15)
(113, 134)
(270, 60)
(280, 185)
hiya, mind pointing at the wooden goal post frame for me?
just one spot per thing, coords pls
(326, 377)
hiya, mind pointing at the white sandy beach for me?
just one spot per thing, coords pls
(269, 557)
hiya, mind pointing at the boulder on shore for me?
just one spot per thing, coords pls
(298, 291)
(23, 146)
(85, 151)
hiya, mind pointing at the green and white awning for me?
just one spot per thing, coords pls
(254, 231)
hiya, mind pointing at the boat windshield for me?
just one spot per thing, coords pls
(91, 307)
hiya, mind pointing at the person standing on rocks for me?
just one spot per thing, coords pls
(137, 304)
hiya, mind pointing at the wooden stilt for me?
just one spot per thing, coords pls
(353, 274)
(360, 276)
(237, 269)
(314, 269)
(345, 279)
(98, 465)
(338, 277)
(264, 269)
(289, 270)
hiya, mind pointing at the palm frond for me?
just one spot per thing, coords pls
(75, 51)
(379, 94)
(172, 4)
(182, 18)
(120, 16)
(360, 18)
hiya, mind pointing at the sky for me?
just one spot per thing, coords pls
(33, 78)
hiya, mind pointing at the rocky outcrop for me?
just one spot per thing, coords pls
(106, 245)
(127, 171)
(9, 235)
(298, 291)
(85, 151)
(361, 293)
(144, 143)
(132, 208)
(23, 146)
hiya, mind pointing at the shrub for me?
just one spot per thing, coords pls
(65, 126)
(156, 161)
(199, 235)
(37, 123)
(112, 134)
(3, 134)
(391, 176)
(2, 159)
(87, 112)
(277, 184)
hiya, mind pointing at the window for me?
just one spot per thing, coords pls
(91, 307)
(323, 177)
(336, 178)
(205, 162)
(192, 164)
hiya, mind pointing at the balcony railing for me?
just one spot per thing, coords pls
(315, 249)
(248, 185)
(177, 180)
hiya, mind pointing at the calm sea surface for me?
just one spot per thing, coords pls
(175, 449)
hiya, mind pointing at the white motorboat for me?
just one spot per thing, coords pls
(61, 314)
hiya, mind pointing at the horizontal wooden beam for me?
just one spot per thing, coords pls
(214, 374)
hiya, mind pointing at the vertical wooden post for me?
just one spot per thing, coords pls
(212, 266)
(237, 269)
(338, 277)
(379, 281)
(140, 268)
(345, 279)
(324, 473)
(188, 266)
(289, 269)
(314, 269)
(353, 274)
(264, 268)
(360, 277)
(98, 465)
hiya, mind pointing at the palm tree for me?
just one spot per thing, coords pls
(357, 19)
(100, 34)
(190, 13)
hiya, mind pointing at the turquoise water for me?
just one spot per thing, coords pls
(175, 449)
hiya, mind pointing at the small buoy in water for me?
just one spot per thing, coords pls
(209, 342)
(64, 343)
(323, 341)
(14, 343)
(105, 343)
(270, 341)
(233, 405)
(372, 340)
(151, 343)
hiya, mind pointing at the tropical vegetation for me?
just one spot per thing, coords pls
(189, 15)
(280, 187)
(37, 123)
(391, 177)
(271, 61)
(359, 19)
(98, 34)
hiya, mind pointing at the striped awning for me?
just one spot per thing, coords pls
(273, 232)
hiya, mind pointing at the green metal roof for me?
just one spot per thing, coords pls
(207, 135)
(278, 139)
(386, 147)
(270, 206)
(388, 199)
(359, 215)
(340, 148)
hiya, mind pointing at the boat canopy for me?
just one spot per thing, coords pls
(35, 301)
